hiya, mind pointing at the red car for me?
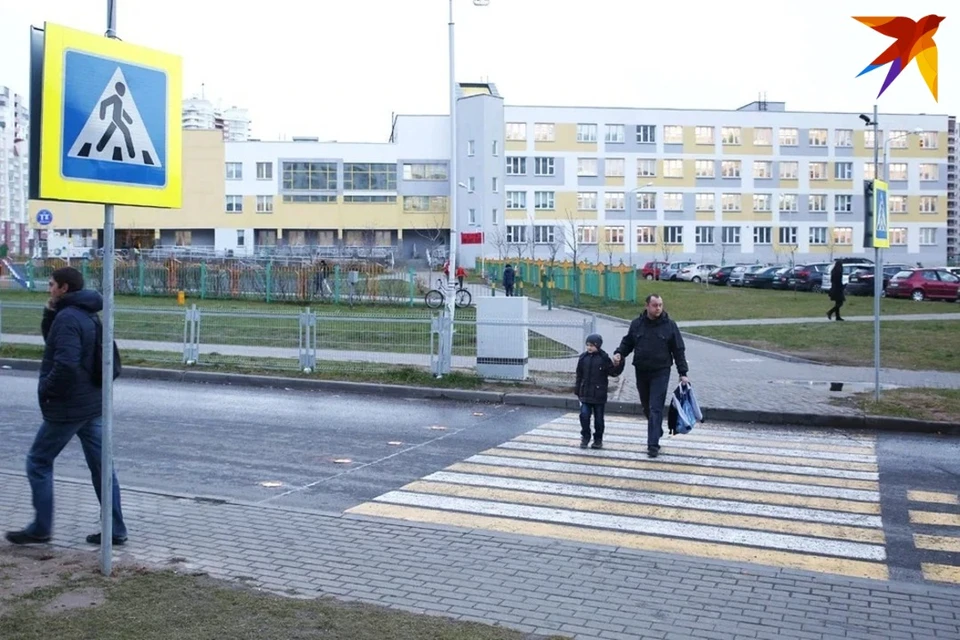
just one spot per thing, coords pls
(923, 284)
(651, 270)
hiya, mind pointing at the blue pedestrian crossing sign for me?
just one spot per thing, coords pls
(109, 129)
(881, 216)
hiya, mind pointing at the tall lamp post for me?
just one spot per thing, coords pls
(631, 236)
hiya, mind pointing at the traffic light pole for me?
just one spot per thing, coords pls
(877, 264)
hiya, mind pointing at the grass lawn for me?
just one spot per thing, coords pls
(686, 301)
(53, 594)
(920, 404)
(377, 328)
(927, 345)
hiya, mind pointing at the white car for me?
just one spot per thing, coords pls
(848, 270)
(695, 272)
(672, 270)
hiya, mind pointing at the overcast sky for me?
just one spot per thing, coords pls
(337, 68)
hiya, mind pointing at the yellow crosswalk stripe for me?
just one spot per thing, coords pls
(933, 497)
(936, 543)
(940, 572)
(935, 518)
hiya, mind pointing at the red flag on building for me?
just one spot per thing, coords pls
(471, 238)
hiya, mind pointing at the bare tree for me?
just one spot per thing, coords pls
(665, 250)
(434, 234)
(555, 244)
(499, 240)
(571, 242)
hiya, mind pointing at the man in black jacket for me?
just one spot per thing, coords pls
(656, 343)
(70, 401)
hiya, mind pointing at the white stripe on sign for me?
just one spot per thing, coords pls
(682, 478)
(645, 497)
(699, 461)
(640, 525)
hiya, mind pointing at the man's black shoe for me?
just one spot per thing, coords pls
(22, 537)
(584, 443)
(94, 538)
(597, 444)
(653, 453)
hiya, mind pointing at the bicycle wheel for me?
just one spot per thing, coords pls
(434, 299)
(463, 298)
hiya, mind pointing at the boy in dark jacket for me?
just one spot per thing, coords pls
(593, 369)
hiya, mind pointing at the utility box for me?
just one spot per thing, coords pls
(502, 343)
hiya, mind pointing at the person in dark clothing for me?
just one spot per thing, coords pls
(508, 279)
(320, 279)
(70, 402)
(836, 290)
(593, 369)
(656, 343)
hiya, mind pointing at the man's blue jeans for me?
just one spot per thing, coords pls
(652, 387)
(50, 441)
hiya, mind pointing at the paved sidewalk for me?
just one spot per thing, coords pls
(584, 591)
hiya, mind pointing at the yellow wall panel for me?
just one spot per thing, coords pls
(706, 216)
(748, 148)
(914, 214)
(789, 184)
(614, 181)
(515, 145)
(565, 139)
(564, 202)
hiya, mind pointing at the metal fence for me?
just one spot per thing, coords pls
(299, 339)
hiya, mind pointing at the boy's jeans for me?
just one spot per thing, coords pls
(586, 409)
(50, 441)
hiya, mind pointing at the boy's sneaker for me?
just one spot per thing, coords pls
(597, 444)
(584, 443)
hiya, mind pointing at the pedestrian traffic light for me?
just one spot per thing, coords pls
(867, 214)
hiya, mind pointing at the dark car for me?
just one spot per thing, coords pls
(782, 280)
(861, 281)
(721, 276)
(809, 277)
(762, 279)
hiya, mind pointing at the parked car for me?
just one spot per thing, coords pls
(782, 280)
(671, 271)
(809, 277)
(721, 276)
(736, 276)
(651, 270)
(848, 269)
(861, 280)
(695, 272)
(763, 279)
(924, 284)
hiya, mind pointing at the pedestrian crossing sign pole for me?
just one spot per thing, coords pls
(104, 128)
(881, 219)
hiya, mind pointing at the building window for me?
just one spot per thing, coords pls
(241, 237)
(730, 235)
(928, 204)
(843, 203)
(543, 132)
(817, 137)
(516, 234)
(544, 234)
(379, 199)
(762, 235)
(843, 236)
(705, 168)
(614, 167)
(844, 137)
(587, 235)
(234, 204)
(788, 235)
(730, 168)
(646, 235)
(516, 131)
(789, 170)
(762, 169)
(818, 235)
(730, 135)
(516, 200)
(613, 235)
(615, 133)
(495, 148)
(898, 236)
(614, 201)
(425, 204)
(369, 176)
(234, 171)
(763, 137)
(704, 135)
(788, 137)
(898, 139)
(587, 201)
(730, 201)
(586, 133)
(495, 216)
(818, 170)
(543, 200)
(898, 171)
(646, 201)
(843, 171)
(762, 201)
(704, 235)
(929, 172)
(929, 140)
(424, 171)
(516, 166)
(928, 236)
(495, 184)
(706, 202)
(312, 198)
(818, 203)
(264, 204)
(471, 184)
(472, 217)
(673, 168)
(897, 204)
(788, 202)
(646, 133)
(673, 134)
(868, 140)
(673, 235)
(471, 147)
(544, 166)
(870, 171)
(586, 166)
(673, 202)
(310, 176)
(264, 171)
(646, 168)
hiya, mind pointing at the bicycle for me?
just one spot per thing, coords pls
(435, 297)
